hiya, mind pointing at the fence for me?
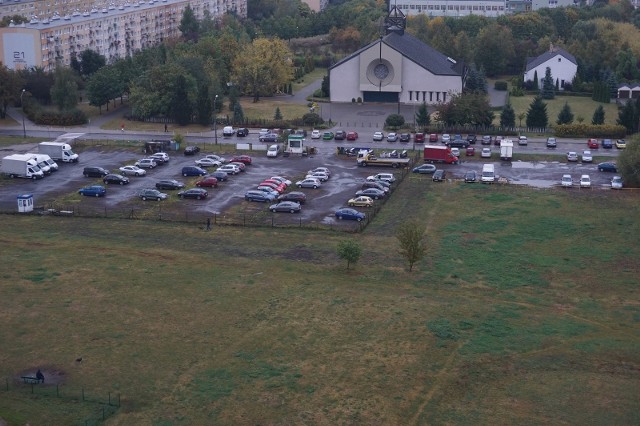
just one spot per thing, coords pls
(101, 406)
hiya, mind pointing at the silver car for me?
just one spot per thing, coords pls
(309, 183)
(132, 171)
(146, 163)
(230, 169)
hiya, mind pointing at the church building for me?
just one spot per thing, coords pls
(396, 68)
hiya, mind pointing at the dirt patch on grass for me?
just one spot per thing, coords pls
(52, 375)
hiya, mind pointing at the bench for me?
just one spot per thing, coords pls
(30, 380)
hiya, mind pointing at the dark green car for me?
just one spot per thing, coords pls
(327, 136)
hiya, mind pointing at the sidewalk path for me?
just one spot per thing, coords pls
(301, 96)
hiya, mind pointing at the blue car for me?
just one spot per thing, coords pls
(193, 171)
(259, 196)
(350, 214)
(93, 191)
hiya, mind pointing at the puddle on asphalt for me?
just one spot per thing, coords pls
(527, 165)
(536, 183)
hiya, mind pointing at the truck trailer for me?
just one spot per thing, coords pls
(22, 166)
(367, 158)
(58, 151)
(506, 149)
(439, 154)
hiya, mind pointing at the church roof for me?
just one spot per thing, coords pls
(415, 50)
(549, 54)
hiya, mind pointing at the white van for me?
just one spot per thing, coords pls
(273, 151)
(488, 173)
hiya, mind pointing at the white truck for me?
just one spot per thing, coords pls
(22, 166)
(45, 159)
(488, 174)
(58, 151)
(506, 149)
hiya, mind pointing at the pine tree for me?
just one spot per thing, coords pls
(598, 116)
(508, 116)
(626, 117)
(548, 88)
(278, 114)
(423, 119)
(565, 116)
(536, 85)
(238, 113)
(537, 114)
(204, 105)
(181, 108)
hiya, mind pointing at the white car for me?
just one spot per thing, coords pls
(146, 163)
(389, 177)
(586, 157)
(572, 156)
(567, 181)
(455, 152)
(228, 131)
(207, 162)
(309, 183)
(446, 138)
(230, 169)
(132, 171)
(322, 177)
(214, 157)
(315, 134)
(281, 179)
(522, 140)
(486, 153)
(161, 157)
(263, 132)
(585, 181)
(378, 136)
(616, 182)
(321, 170)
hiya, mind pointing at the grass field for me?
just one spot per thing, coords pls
(524, 311)
(580, 106)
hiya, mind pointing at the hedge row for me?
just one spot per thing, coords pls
(582, 130)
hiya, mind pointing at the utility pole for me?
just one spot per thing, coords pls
(215, 121)
(24, 129)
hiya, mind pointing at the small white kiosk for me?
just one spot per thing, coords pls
(25, 203)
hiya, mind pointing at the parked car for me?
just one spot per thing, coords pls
(324, 170)
(585, 181)
(228, 131)
(221, 176)
(455, 152)
(160, 157)
(152, 194)
(392, 137)
(208, 182)
(275, 182)
(376, 194)
(352, 136)
(95, 172)
(616, 182)
(196, 193)
(350, 214)
(470, 176)
(497, 140)
(241, 166)
(242, 132)
(486, 140)
(362, 201)
(259, 196)
(193, 171)
(286, 206)
(315, 134)
(419, 137)
(567, 181)
(282, 180)
(191, 150)
(272, 192)
(470, 151)
(458, 143)
(552, 142)
(486, 153)
(381, 182)
(322, 177)
(433, 137)
(274, 186)
(217, 158)
(146, 163)
(269, 137)
(340, 135)
(572, 156)
(207, 162)
(405, 137)
(621, 144)
(446, 138)
(378, 136)
(586, 156)
(472, 138)
(263, 132)
(376, 185)
(607, 143)
(169, 184)
(389, 177)
(93, 191)
(246, 159)
(608, 167)
(230, 169)
(593, 143)
(522, 140)
(439, 176)
(298, 197)
(308, 183)
(425, 169)
(327, 136)
(115, 179)
(132, 171)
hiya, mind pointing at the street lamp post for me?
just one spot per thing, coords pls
(24, 129)
(215, 121)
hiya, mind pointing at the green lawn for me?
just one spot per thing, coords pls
(580, 106)
(525, 310)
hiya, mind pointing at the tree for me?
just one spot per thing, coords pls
(536, 81)
(410, 235)
(104, 85)
(537, 114)
(498, 49)
(508, 116)
(521, 117)
(466, 109)
(312, 119)
(10, 88)
(627, 117)
(189, 26)
(90, 62)
(238, 113)
(278, 114)
(394, 120)
(423, 119)
(203, 105)
(181, 108)
(476, 80)
(548, 87)
(350, 251)
(64, 92)
(325, 86)
(628, 163)
(263, 65)
(598, 116)
(565, 116)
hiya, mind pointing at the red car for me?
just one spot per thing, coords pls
(352, 136)
(275, 182)
(279, 188)
(471, 151)
(242, 159)
(419, 137)
(433, 137)
(209, 181)
(593, 143)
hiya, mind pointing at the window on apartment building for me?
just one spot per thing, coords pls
(424, 96)
(437, 96)
(450, 7)
(410, 95)
(444, 96)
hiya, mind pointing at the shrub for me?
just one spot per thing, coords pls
(582, 130)
(359, 100)
(394, 120)
(500, 85)
(312, 119)
(318, 94)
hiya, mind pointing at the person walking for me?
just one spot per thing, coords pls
(208, 224)
(122, 127)
(165, 128)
